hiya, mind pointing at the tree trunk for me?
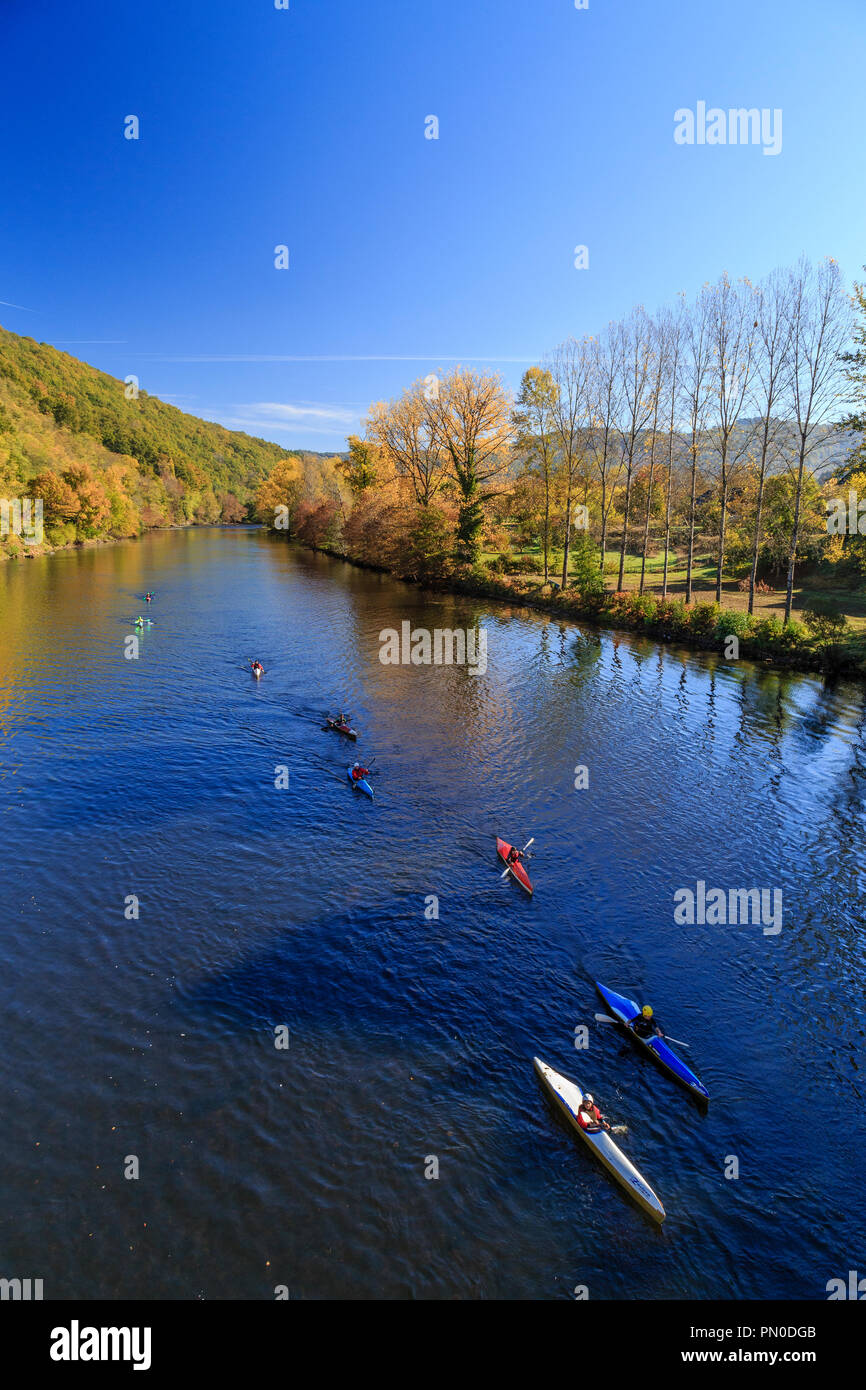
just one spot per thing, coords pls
(667, 528)
(624, 529)
(546, 523)
(604, 512)
(691, 526)
(649, 502)
(722, 521)
(757, 538)
(795, 536)
(564, 584)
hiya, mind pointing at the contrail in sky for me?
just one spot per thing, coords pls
(286, 357)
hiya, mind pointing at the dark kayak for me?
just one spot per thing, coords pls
(339, 728)
(625, 1010)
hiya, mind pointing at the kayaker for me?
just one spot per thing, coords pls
(645, 1025)
(258, 667)
(358, 772)
(148, 598)
(589, 1117)
(514, 855)
(344, 719)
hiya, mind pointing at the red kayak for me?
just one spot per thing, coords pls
(516, 870)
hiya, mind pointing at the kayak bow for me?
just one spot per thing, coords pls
(568, 1097)
(516, 870)
(625, 1010)
(360, 784)
(339, 728)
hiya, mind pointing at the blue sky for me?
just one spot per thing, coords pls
(305, 127)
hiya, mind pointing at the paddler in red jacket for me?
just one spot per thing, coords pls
(514, 855)
(589, 1117)
(358, 772)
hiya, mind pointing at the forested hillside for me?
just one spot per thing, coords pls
(110, 463)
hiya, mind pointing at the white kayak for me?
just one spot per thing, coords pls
(568, 1096)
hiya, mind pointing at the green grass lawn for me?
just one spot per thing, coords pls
(850, 602)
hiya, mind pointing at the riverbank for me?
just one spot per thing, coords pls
(14, 548)
(732, 633)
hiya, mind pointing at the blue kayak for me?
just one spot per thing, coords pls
(361, 784)
(625, 1010)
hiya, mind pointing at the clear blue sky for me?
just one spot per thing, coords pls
(306, 127)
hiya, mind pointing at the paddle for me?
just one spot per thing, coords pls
(517, 861)
(604, 1018)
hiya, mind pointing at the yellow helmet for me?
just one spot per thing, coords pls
(647, 1011)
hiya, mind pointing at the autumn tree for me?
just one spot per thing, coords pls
(59, 501)
(361, 468)
(471, 422)
(278, 494)
(92, 507)
(405, 432)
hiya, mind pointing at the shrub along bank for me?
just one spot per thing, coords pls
(822, 642)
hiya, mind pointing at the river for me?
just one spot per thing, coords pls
(166, 907)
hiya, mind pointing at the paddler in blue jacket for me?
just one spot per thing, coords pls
(645, 1025)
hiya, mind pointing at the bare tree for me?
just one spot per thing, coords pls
(402, 430)
(569, 365)
(661, 371)
(534, 421)
(637, 368)
(696, 386)
(604, 387)
(820, 330)
(672, 324)
(731, 312)
(772, 328)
